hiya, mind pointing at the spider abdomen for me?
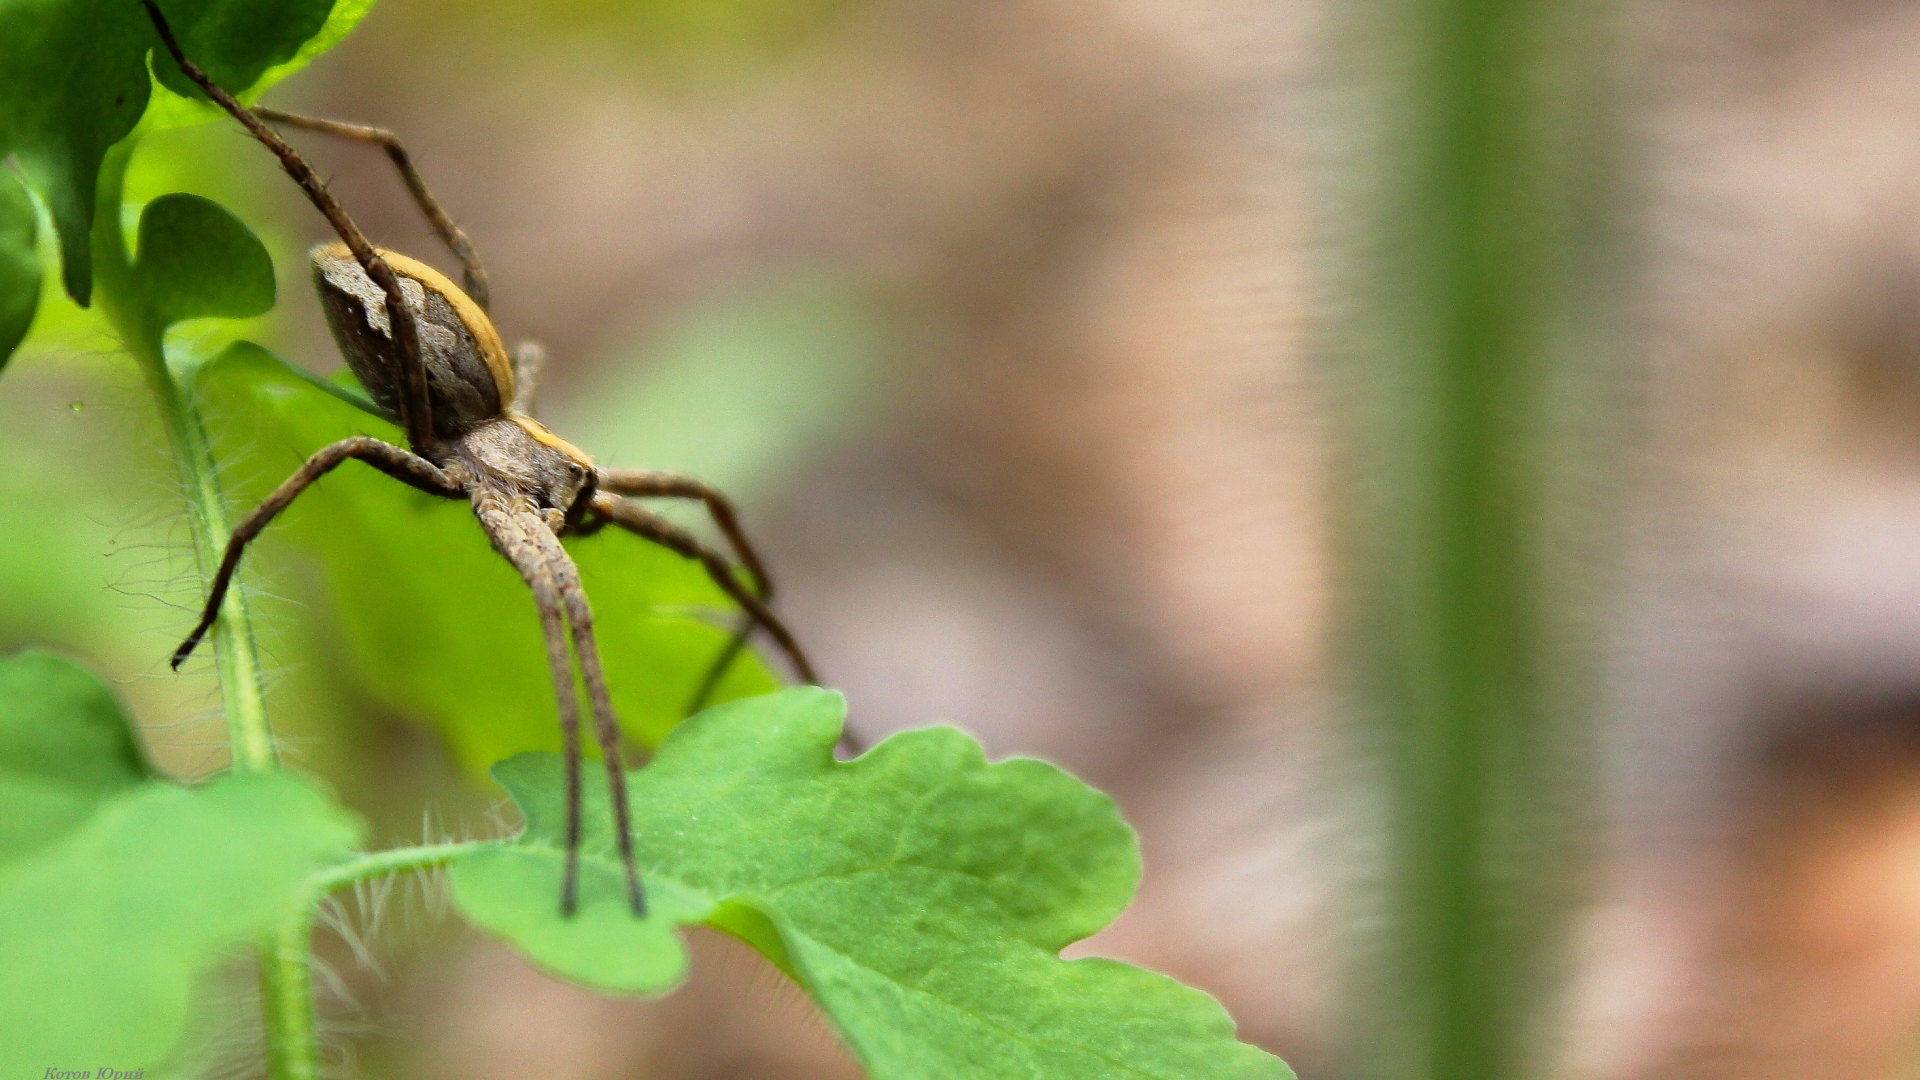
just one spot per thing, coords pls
(469, 379)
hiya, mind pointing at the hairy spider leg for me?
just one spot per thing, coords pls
(649, 484)
(646, 483)
(644, 523)
(529, 360)
(410, 469)
(524, 540)
(717, 670)
(606, 729)
(416, 407)
(472, 273)
(509, 535)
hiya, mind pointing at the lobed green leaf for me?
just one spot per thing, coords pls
(74, 81)
(919, 893)
(64, 748)
(341, 19)
(125, 890)
(19, 263)
(438, 625)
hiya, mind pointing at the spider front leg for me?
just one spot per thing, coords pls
(526, 542)
(647, 484)
(606, 727)
(408, 468)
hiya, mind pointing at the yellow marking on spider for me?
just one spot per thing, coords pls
(540, 434)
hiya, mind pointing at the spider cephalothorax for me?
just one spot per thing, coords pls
(431, 360)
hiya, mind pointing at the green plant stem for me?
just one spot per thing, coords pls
(286, 999)
(379, 864)
(287, 1002)
(249, 736)
(1481, 369)
(285, 981)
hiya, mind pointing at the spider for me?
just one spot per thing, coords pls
(433, 363)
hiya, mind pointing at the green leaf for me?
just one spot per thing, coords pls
(74, 81)
(195, 259)
(234, 43)
(19, 263)
(64, 747)
(115, 913)
(918, 893)
(429, 611)
(346, 15)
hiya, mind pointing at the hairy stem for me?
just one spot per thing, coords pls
(285, 987)
(249, 737)
(379, 864)
(287, 1000)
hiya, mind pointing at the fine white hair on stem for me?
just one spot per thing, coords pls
(334, 917)
(329, 979)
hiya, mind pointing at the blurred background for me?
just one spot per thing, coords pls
(1001, 320)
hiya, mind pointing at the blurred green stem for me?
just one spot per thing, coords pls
(1481, 345)
(286, 999)
(287, 1002)
(249, 737)
(285, 989)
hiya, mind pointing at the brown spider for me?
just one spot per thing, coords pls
(432, 361)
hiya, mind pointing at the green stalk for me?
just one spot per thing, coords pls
(249, 736)
(1479, 360)
(286, 999)
(285, 986)
(286, 967)
(287, 1003)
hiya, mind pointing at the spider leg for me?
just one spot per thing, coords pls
(473, 274)
(514, 537)
(417, 408)
(643, 483)
(653, 527)
(529, 360)
(407, 468)
(606, 728)
(647, 484)
(737, 644)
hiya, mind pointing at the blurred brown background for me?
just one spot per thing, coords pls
(1023, 295)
